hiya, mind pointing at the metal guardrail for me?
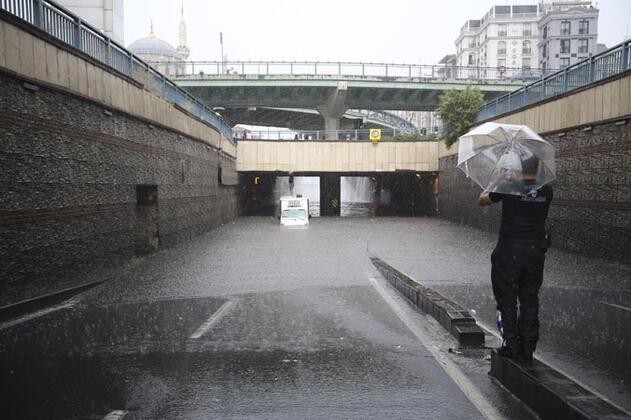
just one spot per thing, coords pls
(386, 117)
(69, 28)
(344, 135)
(598, 67)
(380, 71)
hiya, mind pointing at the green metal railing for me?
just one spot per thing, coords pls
(595, 68)
(69, 28)
(354, 70)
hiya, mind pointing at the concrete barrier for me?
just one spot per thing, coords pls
(449, 314)
(549, 393)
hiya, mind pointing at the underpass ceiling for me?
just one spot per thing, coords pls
(371, 95)
(298, 119)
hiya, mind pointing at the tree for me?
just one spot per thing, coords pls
(457, 109)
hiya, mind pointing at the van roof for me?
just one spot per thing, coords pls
(292, 197)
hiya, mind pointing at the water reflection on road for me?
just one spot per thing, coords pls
(305, 336)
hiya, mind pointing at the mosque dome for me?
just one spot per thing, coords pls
(153, 46)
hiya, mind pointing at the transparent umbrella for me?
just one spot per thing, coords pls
(504, 158)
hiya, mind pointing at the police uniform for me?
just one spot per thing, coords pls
(517, 266)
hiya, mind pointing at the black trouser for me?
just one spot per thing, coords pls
(517, 273)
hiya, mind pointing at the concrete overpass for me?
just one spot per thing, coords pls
(408, 170)
(296, 156)
(332, 88)
(307, 119)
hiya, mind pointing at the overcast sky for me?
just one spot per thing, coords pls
(401, 31)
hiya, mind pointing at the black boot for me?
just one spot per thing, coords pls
(526, 351)
(510, 349)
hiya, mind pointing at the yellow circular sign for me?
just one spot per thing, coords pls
(375, 134)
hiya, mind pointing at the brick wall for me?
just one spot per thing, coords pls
(591, 211)
(69, 175)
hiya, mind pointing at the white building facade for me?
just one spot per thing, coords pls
(569, 33)
(105, 15)
(521, 40)
(505, 40)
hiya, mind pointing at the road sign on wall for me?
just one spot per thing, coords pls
(375, 134)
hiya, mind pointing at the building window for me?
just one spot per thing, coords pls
(583, 27)
(525, 63)
(545, 32)
(525, 47)
(583, 46)
(566, 27)
(544, 51)
(471, 59)
(501, 48)
(527, 29)
(565, 46)
(564, 62)
(501, 62)
(501, 29)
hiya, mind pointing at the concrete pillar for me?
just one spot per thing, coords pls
(330, 195)
(334, 107)
(257, 193)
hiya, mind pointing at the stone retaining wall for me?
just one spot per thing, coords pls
(71, 168)
(591, 211)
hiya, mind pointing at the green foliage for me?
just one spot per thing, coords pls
(457, 109)
(411, 137)
(408, 136)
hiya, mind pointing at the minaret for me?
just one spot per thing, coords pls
(182, 49)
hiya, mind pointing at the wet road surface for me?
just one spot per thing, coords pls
(309, 353)
(301, 332)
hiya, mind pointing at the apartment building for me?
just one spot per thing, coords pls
(569, 33)
(504, 38)
(517, 38)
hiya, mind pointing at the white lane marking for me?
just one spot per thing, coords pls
(210, 321)
(465, 385)
(115, 415)
(624, 308)
(34, 315)
(549, 363)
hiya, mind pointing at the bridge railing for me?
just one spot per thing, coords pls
(70, 29)
(386, 117)
(380, 71)
(593, 69)
(342, 135)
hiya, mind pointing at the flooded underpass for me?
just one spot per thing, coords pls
(403, 193)
(252, 320)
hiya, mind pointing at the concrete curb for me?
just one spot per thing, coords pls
(452, 316)
(24, 307)
(549, 393)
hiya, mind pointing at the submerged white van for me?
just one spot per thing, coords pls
(294, 211)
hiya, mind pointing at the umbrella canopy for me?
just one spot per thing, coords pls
(506, 158)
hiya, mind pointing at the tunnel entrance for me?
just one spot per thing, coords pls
(344, 195)
(358, 196)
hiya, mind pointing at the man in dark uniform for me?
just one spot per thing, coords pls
(517, 261)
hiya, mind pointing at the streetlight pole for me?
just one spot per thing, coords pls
(223, 69)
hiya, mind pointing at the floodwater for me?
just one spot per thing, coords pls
(302, 331)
